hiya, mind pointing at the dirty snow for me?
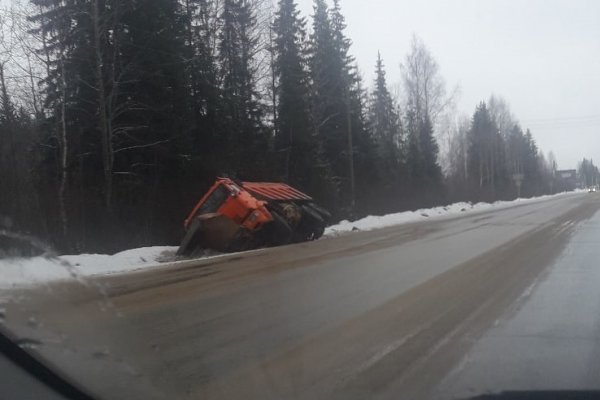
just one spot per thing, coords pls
(18, 272)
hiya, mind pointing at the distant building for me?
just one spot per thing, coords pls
(567, 180)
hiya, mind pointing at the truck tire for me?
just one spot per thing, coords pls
(313, 222)
(323, 213)
(318, 229)
(279, 232)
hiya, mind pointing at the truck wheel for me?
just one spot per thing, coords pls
(318, 228)
(319, 231)
(323, 213)
(313, 222)
(279, 231)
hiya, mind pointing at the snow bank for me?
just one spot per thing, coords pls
(18, 272)
(128, 260)
(377, 222)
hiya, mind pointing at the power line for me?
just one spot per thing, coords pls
(562, 119)
(555, 123)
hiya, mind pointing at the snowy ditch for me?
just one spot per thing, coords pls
(19, 272)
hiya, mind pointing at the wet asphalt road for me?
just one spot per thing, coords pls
(551, 340)
(450, 308)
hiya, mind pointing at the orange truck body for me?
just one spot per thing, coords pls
(235, 216)
(240, 206)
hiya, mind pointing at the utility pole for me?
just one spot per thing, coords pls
(518, 178)
(350, 152)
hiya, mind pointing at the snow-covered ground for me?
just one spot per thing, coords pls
(377, 222)
(26, 271)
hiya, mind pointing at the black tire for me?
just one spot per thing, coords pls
(314, 224)
(242, 242)
(319, 231)
(323, 213)
(278, 231)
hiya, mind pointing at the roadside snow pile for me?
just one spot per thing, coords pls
(377, 222)
(17, 272)
(128, 260)
(23, 272)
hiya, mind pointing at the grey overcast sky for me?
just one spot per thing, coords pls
(541, 56)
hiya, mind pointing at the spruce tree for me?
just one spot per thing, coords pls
(70, 97)
(530, 163)
(485, 154)
(412, 154)
(200, 18)
(295, 138)
(385, 127)
(240, 113)
(327, 107)
(338, 108)
(429, 154)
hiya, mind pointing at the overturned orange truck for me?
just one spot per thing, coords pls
(236, 216)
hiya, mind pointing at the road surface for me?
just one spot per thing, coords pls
(503, 300)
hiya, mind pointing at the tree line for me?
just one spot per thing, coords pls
(493, 157)
(117, 115)
(588, 173)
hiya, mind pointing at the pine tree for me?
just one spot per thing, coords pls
(485, 154)
(341, 42)
(325, 72)
(530, 164)
(338, 108)
(327, 108)
(8, 149)
(413, 147)
(243, 133)
(429, 153)
(589, 174)
(71, 100)
(360, 152)
(514, 150)
(523, 159)
(422, 152)
(294, 128)
(385, 127)
(200, 18)
(118, 105)
(365, 157)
